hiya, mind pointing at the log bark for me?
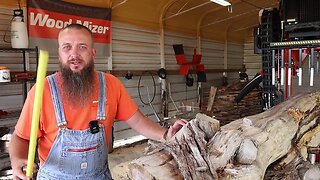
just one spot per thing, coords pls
(242, 149)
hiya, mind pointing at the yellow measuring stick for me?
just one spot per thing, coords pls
(41, 74)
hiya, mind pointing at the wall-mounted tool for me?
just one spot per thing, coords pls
(162, 73)
(189, 80)
(128, 75)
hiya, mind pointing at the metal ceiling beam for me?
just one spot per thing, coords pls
(119, 4)
(228, 18)
(244, 28)
(238, 15)
(187, 10)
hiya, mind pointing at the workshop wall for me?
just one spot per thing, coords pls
(253, 62)
(134, 49)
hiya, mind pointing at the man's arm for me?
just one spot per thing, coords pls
(18, 150)
(145, 126)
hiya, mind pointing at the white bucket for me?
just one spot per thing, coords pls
(4, 74)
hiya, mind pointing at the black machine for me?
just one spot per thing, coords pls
(294, 20)
(301, 19)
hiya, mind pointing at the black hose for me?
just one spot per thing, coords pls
(249, 87)
(154, 88)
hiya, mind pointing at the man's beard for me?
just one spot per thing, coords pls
(77, 87)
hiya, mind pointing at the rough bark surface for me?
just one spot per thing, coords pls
(242, 149)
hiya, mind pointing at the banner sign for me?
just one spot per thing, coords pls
(47, 17)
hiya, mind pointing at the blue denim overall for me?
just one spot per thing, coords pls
(77, 154)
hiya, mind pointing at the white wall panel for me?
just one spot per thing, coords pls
(253, 62)
(134, 48)
(235, 56)
(212, 54)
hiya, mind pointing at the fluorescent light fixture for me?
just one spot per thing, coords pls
(221, 2)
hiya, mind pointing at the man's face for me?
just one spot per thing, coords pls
(75, 49)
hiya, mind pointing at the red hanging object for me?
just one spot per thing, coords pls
(181, 60)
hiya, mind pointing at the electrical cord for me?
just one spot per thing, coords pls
(5, 33)
(154, 88)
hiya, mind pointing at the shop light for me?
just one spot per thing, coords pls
(222, 2)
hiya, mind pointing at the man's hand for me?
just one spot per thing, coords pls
(18, 169)
(18, 150)
(175, 128)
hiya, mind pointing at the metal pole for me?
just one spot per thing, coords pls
(273, 68)
(282, 68)
(278, 68)
(300, 67)
(312, 67)
(289, 73)
(318, 59)
(151, 105)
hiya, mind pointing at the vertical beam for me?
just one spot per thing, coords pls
(225, 48)
(164, 95)
(198, 40)
(162, 60)
(225, 54)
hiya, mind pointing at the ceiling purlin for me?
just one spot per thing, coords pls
(118, 4)
(254, 24)
(238, 15)
(164, 12)
(228, 18)
(204, 15)
(244, 23)
(186, 10)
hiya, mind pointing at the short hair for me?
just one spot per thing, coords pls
(78, 26)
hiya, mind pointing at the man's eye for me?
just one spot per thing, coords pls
(82, 47)
(66, 47)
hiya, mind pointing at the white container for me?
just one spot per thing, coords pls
(4, 74)
(19, 33)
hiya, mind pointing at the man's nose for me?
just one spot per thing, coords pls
(74, 53)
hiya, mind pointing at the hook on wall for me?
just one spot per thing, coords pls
(230, 8)
(128, 75)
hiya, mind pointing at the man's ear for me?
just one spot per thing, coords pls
(94, 52)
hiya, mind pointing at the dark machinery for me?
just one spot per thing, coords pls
(295, 26)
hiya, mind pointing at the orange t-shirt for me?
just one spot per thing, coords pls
(119, 105)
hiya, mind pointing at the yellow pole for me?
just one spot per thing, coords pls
(41, 74)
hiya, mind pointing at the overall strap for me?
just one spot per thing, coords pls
(101, 115)
(56, 99)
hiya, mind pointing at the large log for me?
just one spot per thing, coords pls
(242, 149)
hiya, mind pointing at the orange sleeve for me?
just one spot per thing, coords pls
(23, 126)
(126, 107)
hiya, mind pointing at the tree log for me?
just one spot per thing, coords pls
(242, 149)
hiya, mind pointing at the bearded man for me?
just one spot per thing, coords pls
(78, 109)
